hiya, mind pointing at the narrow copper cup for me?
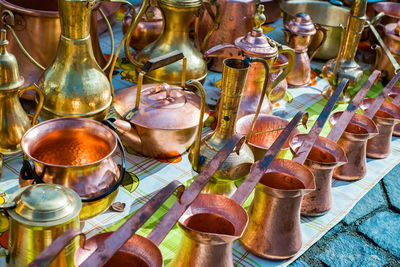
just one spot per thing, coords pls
(321, 161)
(354, 143)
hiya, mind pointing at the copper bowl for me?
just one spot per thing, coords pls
(76, 153)
(260, 143)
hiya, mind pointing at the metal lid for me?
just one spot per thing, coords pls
(44, 204)
(256, 43)
(162, 106)
(181, 3)
(301, 24)
(10, 77)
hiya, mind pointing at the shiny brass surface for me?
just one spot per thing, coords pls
(236, 21)
(324, 156)
(385, 119)
(174, 36)
(344, 65)
(237, 165)
(273, 230)
(43, 212)
(298, 33)
(14, 121)
(76, 153)
(31, 17)
(354, 143)
(148, 29)
(264, 134)
(324, 14)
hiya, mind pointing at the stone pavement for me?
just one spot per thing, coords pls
(368, 236)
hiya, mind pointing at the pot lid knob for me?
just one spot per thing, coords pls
(397, 29)
(256, 43)
(9, 77)
(301, 24)
(45, 204)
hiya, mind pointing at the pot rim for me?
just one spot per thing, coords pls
(112, 150)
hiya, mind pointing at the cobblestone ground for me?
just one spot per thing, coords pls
(368, 236)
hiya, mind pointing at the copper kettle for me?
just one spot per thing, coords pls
(154, 113)
(14, 121)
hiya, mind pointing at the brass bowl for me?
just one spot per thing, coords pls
(323, 14)
(260, 143)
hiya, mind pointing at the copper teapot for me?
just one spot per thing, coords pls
(256, 44)
(154, 113)
(174, 36)
(299, 33)
(14, 120)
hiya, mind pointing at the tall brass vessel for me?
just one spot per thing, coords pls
(177, 15)
(14, 122)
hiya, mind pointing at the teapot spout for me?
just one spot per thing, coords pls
(128, 135)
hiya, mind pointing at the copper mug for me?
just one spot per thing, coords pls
(324, 156)
(385, 119)
(354, 143)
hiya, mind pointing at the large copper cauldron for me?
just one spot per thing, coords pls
(76, 153)
(37, 25)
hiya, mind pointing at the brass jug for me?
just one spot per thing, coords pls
(299, 33)
(256, 44)
(238, 164)
(175, 36)
(14, 121)
(38, 214)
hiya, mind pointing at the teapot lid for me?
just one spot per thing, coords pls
(10, 77)
(301, 24)
(393, 30)
(162, 106)
(181, 3)
(256, 43)
(44, 205)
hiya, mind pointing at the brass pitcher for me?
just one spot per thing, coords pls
(175, 36)
(354, 143)
(299, 33)
(256, 44)
(14, 120)
(38, 214)
(238, 164)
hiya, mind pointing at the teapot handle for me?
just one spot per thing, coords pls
(46, 257)
(324, 31)
(35, 88)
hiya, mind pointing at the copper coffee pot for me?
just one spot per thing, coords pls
(177, 15)
(238, 163)
(124, 247)
(256, 44)
(396, 101)
(154, 113)
(36, 25)
(299, 33)
(147, 30)
(14, 120)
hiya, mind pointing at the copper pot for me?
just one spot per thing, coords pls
(385, 119)
(76, 153)
(37, 26)
(395, 92)
(148, 29)
(354, 143)
(324, 156)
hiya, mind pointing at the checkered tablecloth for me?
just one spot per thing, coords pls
(154, 174)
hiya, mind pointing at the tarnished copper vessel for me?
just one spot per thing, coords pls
(148, 29)
(299, 33)
(37, 26)
(174, 36)
(153, 113)
(38, 214)
(324, 156)
(354, 143)
(256, 44)
(385, 119)
(236, 20)
(273, 230)
(76, 153)
(14, 122)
